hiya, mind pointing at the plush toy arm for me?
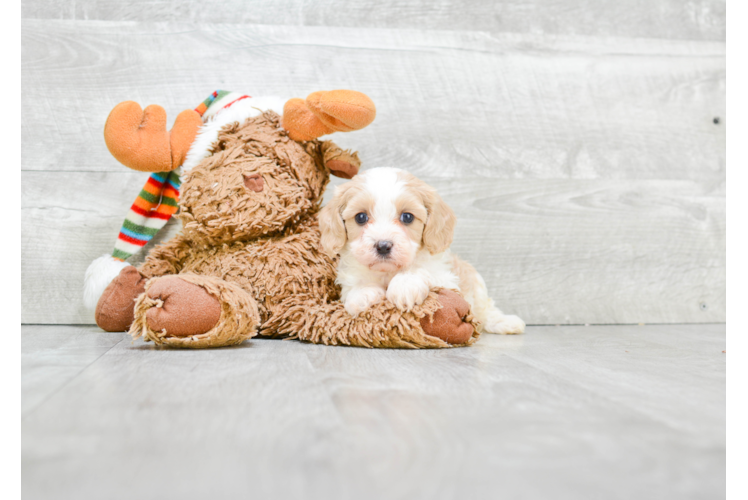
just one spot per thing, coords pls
(139, 140)
(443, 320)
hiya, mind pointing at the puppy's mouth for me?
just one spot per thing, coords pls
(384, 264)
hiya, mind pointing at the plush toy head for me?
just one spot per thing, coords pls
(255, 181)
(245, 179)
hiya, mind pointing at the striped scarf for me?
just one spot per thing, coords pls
(159, 198)
(154, 206)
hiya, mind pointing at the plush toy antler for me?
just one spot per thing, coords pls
(139, 140)
(325, 112)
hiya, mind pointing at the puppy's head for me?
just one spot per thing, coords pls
(384, 217)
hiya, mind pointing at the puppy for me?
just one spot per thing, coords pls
(393, 233)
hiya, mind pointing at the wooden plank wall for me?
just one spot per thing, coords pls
(582, 144)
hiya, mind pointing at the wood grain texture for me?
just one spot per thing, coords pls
(692, 20)
(450, 104)
(552, 251)
(51, 360)
(610, 412)
(734, 196)
(62, 234)
(587, 171)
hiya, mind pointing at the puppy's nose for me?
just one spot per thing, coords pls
(384, 247)
(254, 182)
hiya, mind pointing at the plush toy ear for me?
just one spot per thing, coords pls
(341, 168)
(325, 112)
(331, 225)
(139, 139)
(341, 163)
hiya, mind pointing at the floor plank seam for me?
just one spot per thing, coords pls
(597, 396)
(49, 396)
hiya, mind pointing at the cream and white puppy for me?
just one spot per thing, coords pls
(393, 233)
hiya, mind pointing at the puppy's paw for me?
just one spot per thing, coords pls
(407, 290)
(360, 299)
(504, 325)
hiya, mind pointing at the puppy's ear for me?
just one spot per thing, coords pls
(440, 225)
(331, 224)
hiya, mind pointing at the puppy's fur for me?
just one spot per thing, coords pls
(413, 257)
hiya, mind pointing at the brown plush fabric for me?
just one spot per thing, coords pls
(449, 323)
(258, 254)
(114, 312)
(183, 308)
(217, 208)
(139, 139)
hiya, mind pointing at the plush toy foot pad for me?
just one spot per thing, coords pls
(116, 307)
(450, 322)
(185, 309)
(194, 311)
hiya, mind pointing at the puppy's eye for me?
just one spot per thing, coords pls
(361, 218)
(407, 217)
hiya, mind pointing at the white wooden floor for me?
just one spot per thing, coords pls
(575, 412)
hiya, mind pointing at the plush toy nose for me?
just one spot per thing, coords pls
(254, 182)
(384, 247)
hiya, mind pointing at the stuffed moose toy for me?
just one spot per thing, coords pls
(247, 261)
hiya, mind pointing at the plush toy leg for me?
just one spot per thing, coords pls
(188, 310)
(443, 320)
(115, 309)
